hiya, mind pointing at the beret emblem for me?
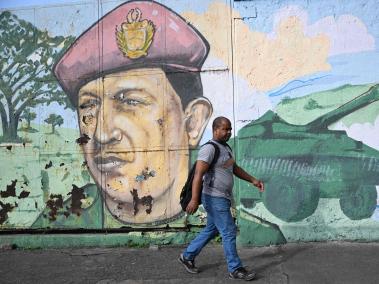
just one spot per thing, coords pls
(135, 36)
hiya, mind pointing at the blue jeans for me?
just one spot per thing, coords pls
(219, 219)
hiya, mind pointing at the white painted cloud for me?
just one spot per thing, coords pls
(365, 132)
(347, 33)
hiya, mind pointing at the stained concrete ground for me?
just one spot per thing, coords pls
(335, 262)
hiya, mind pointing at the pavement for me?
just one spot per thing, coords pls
(330, 262)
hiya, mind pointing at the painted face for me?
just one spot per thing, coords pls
(223, 132)
(138, 145)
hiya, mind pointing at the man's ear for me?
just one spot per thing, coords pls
(197, 114)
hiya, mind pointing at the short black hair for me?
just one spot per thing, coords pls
(218, 121)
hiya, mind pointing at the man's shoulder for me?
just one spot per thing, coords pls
(209, 148)
(214, 143)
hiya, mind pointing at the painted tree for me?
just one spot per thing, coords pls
(29, 116)
(27, 56)
(312, 104)
(54, 120)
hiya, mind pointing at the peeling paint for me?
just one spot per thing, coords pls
(10, 191)
(5, 209)
(24, 194)
(77, 194)
(49, 165)
(145, 201)
(83, 139)
(145, 175)
(88, 119)
(54, 203)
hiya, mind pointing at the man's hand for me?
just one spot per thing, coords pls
(259, 184)
(192, 206)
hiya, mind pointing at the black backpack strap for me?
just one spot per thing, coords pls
(216, 155)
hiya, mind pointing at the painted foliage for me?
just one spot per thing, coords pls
(101, 115)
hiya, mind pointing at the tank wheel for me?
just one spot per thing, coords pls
(358, 201)
(290, 199)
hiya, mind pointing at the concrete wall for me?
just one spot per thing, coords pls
(104, 104)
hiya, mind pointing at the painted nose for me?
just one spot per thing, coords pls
(105, 136)
(106, 132)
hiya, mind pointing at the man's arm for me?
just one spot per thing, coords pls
(201, 168)
(239, 172)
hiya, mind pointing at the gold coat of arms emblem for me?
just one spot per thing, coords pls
(135, 36)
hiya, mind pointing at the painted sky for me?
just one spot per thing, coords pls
(346, 31)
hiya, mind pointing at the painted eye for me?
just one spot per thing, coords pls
(91, 103)
(132, 102)
(121, 97)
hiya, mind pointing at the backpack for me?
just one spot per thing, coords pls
(186, 194)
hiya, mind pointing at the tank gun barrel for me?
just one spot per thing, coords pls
(361, 101)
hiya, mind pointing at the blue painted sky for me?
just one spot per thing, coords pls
(347, 68)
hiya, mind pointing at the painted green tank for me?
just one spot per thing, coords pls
(302, 163)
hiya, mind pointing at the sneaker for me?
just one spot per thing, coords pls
(189, 265)
(242, 274)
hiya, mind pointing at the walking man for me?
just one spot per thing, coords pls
(216, 198)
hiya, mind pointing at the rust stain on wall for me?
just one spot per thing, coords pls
(83, 139)
(54, 203)
(145, 201)
(10, 191)
(5, 209)
(24, 194)
(87, 119)
(77, 194)
(57, 206)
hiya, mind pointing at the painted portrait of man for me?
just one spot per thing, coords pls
(134, 77)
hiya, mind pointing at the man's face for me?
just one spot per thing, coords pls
(223, 132)
(135, 123)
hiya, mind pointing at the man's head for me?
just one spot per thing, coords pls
(143, 112)
(222, 129)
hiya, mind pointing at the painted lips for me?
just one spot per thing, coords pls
(108, 164)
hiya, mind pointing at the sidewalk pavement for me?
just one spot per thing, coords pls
(334, 262)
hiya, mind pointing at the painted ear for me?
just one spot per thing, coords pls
(197, 115)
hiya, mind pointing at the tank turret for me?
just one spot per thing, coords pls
(302, 163)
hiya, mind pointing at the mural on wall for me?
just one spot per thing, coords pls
(99, 121)
(144, 112)
(302, 163)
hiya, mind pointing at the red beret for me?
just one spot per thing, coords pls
(133, 35)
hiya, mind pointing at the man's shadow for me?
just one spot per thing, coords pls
(274, 257)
